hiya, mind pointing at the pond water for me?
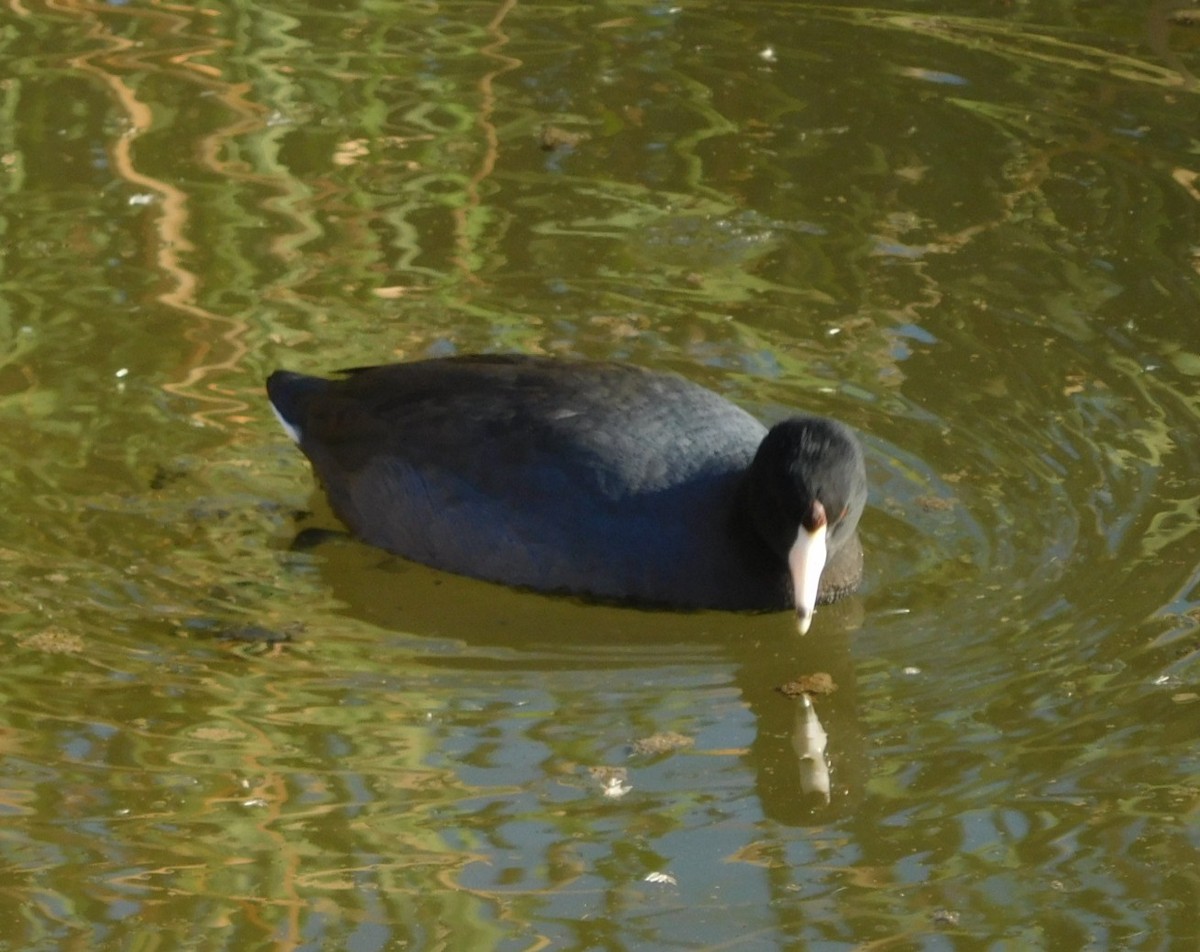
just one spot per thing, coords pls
(969, 229)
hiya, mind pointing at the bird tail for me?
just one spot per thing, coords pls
(290, 394)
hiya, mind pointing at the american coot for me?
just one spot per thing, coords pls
(597, 479)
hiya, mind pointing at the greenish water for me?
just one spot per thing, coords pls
(971, 230)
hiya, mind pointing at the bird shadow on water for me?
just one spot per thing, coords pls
(808, 753)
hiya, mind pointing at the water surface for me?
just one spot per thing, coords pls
(969, 230)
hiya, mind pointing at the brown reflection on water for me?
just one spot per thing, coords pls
(217, 340)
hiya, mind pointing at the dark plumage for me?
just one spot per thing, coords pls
(598, 479)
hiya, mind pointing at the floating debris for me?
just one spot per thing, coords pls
(817, 684)
(53, 641)
(662, 743)
(552, 138)
(612, 780)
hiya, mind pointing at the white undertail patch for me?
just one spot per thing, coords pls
(290, 428)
